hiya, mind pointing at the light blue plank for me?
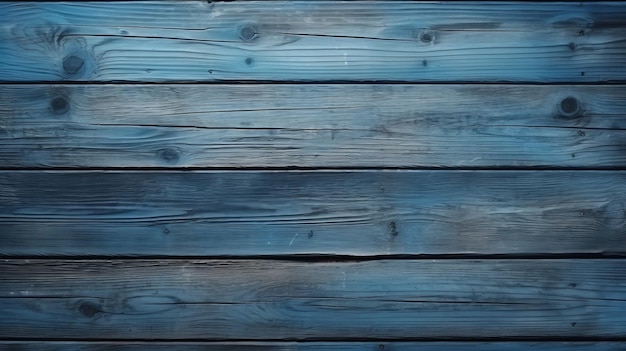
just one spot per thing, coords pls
(312, 125)
(320, 40)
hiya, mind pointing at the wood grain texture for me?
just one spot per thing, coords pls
(333, 212)
(283, 300)
(378, 125)
(321, 40)
(308, 346)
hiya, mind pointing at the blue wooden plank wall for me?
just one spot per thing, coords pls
(312, 175)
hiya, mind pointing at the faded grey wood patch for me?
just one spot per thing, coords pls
(348, 213)
(281, 300)
(378, 125)
(321, 40)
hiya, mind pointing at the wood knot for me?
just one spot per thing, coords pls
(393, 230)
(59, 105)
(89, 309)
(426, 36)
(249, 61)
(72, 64)
(572, 46)
(169, 155)
(248, 33)
(569, 107)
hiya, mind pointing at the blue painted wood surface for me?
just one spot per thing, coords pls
(312, 346)
(143, 216)
(313, 40)
(312, 125)
(287, 300)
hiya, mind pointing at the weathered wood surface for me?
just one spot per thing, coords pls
(276, 300)
(334, 212)
(124, 256)
(321, 40)
(308, 346)
(312, 126)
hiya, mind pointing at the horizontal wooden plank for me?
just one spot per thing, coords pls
(312, 126)
(321, 40)
(350, 213)
(308, 346)
(282, 300)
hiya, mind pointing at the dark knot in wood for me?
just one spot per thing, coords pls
(169, 155)
(72, 64)
(59, 105)
(572, 46)
(426, 36)
(248, 33)
(89, 309)
(569, 107)
(393, 230)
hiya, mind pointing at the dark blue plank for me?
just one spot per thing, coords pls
(330, 212)
(286, 300)
(310, 346)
